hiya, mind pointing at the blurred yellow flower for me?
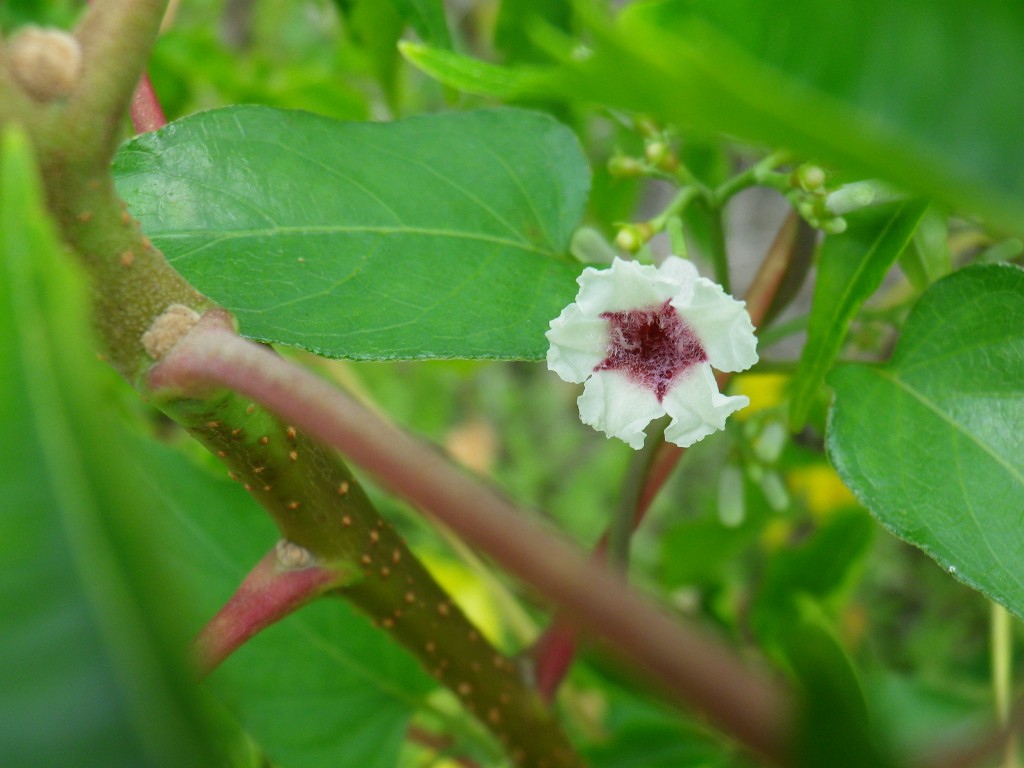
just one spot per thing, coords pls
(765, 390)
(820, 488)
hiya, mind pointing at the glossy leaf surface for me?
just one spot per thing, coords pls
(933, 441)
(437, 236)
(916, 92)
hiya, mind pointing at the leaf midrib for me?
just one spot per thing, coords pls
(215, 237)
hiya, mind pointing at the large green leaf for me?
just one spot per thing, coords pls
(90, 653)
(320, 688)
(437, 236)
(852, 268)
(917, 92)
(933, 441)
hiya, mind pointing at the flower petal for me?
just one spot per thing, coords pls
(722, 325)
(683, 275)
(623, 286)
(579, 343)
(697, 407)
(616, 406)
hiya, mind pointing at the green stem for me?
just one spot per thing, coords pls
(759, 173)
(625, 520)
(675, 207)
(716, 243)
(1001, 638)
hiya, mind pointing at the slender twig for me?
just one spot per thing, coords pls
(271, 591)
(697, 670)
(625, 521)
(1002, 678)
(770, 274)
(716, 243)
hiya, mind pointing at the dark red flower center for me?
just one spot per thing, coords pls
(652, 346)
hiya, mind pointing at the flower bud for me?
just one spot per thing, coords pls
(632, 236)
(656, 151)
(811, 178)
(46, 62)
(624, 167)
(834, 226)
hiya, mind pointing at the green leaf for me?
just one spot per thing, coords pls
(427, 18)
(927, 258)
(466, 74)
(321, 687)
(376, 28)
(90, 653)
(437, 236)
(638, 733)
(517, 18)
(821, 568)
(852, 268)
(933, 441)
(834, 727)
(916, 92)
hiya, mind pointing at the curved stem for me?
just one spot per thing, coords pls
(716, 242)
(698, 671)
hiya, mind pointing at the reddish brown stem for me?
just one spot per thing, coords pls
(698, 670)
(147, 115)
(268, 593)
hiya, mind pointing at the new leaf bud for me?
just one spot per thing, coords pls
(46, 62)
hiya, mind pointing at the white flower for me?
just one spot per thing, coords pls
(643, 340)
